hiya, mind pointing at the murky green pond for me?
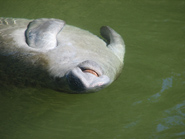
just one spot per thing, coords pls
(146, 102)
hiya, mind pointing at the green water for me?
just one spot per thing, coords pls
(146, 102)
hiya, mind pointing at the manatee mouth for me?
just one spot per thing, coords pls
(87, 77)
(90, 71)
(91, 67)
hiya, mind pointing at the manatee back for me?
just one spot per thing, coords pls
(7, 27)
(7, 23)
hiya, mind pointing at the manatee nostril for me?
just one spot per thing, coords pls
(91, 71)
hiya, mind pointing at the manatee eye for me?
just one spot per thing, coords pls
(91, 71)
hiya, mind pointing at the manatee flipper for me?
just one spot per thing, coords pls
(115, 41)
(41, 33)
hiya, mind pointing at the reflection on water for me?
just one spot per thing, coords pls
(132, 124)
(166, 84)
(176, 119)
(173, 119)
(146, 102)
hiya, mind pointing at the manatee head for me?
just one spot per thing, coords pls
(73, 60)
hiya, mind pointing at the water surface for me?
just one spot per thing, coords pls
(146, 102)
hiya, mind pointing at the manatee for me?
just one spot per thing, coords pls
(49, 53)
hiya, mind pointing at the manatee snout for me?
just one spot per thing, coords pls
(87, 76)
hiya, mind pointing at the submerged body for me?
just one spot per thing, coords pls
(59, 56)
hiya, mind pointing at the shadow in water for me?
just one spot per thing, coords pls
(27, 110)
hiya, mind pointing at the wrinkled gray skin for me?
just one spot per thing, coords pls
(55, 55)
